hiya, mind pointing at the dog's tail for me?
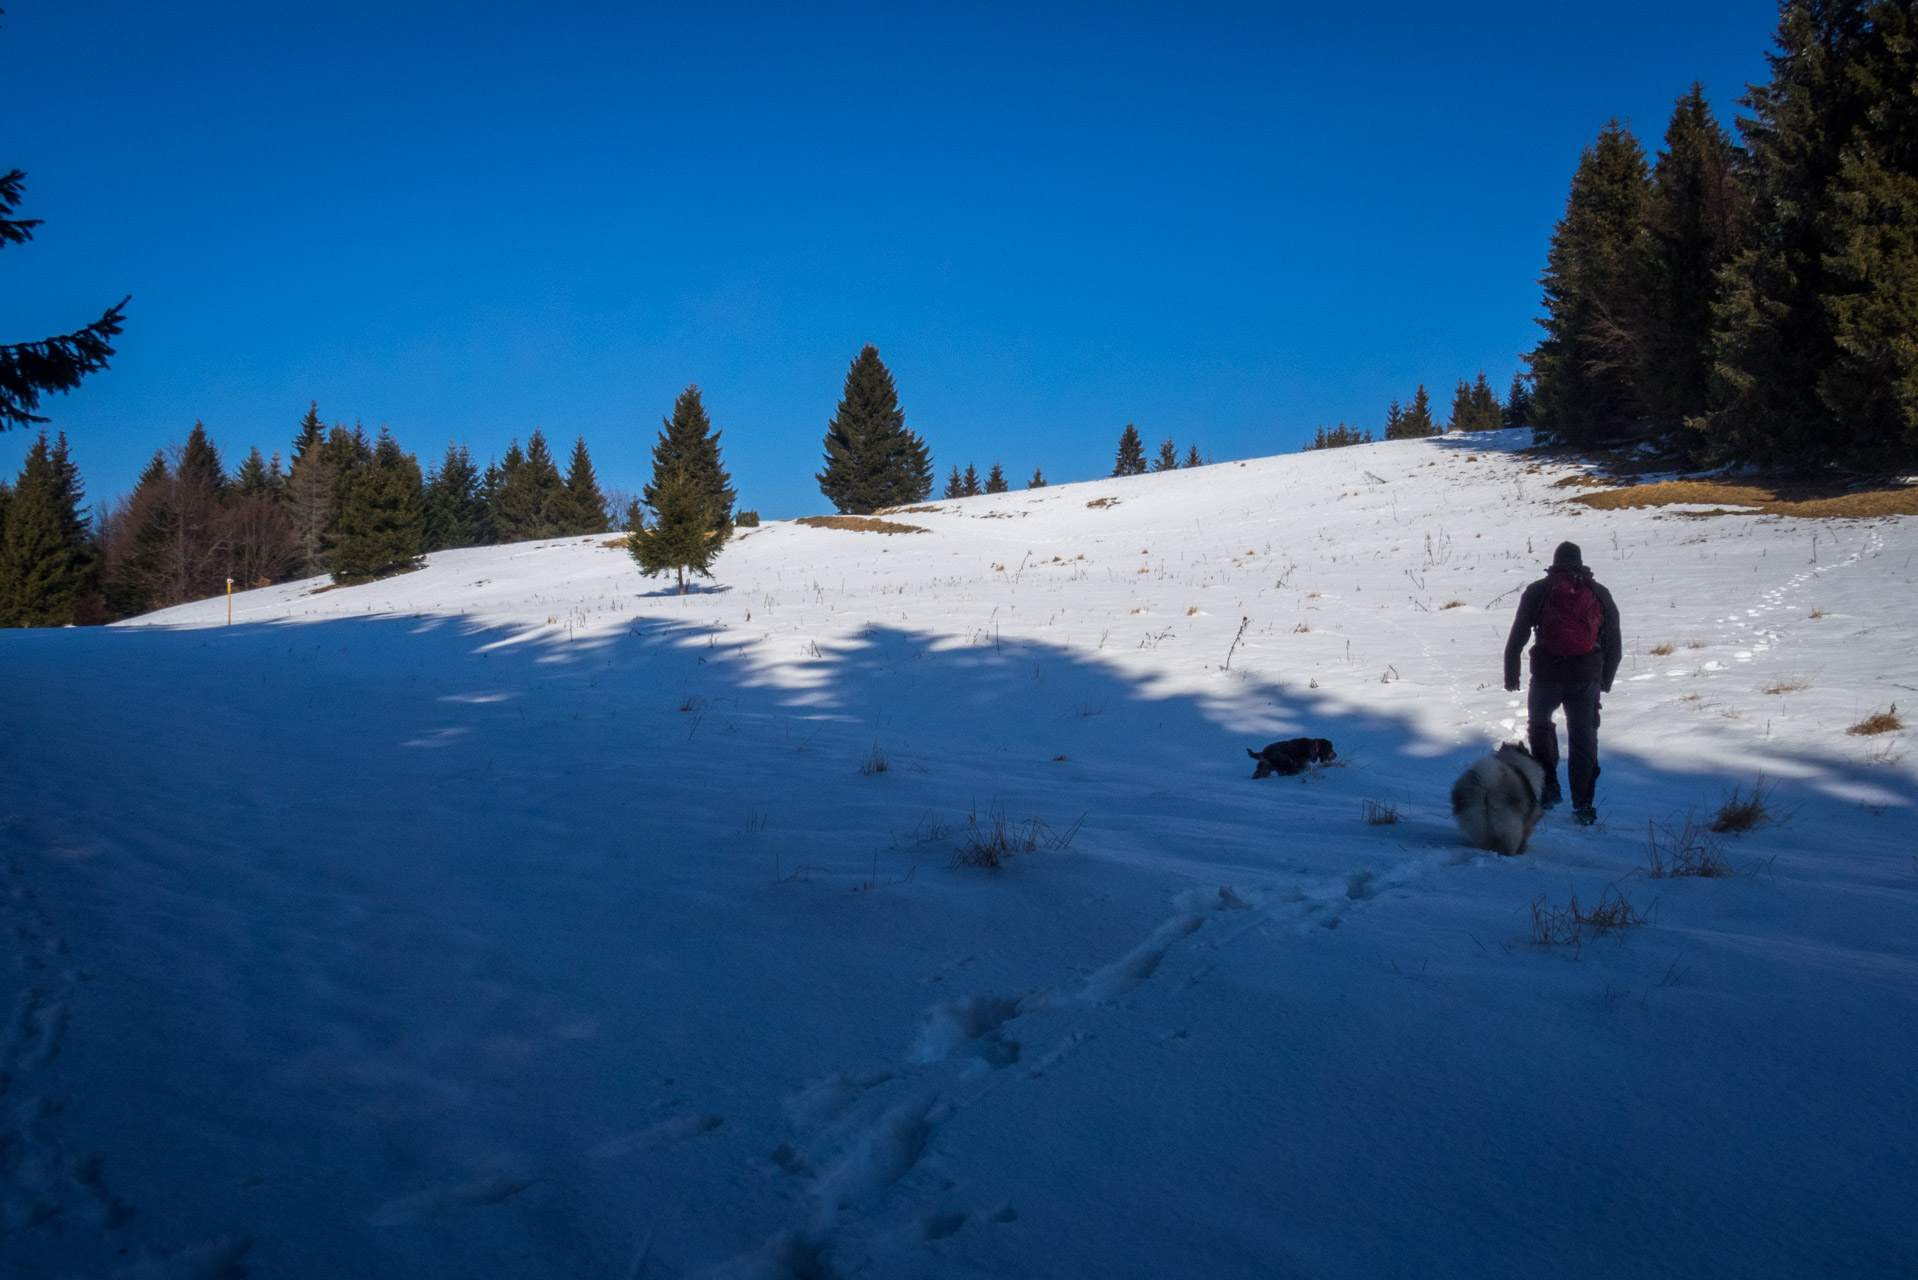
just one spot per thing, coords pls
(1255, 755)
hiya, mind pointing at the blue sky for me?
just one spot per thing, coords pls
(1227, 224)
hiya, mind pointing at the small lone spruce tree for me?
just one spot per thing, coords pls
(682, 535)
(586, 505)
(687, 440)
(1192, 456)
(1038, 480)
(1131, 459)
(872, 460)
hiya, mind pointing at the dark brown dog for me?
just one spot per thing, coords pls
(1294, 755)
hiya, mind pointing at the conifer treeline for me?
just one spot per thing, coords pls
(1752, 304)
(347, 505)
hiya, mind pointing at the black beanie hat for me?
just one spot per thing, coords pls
(1567, 556)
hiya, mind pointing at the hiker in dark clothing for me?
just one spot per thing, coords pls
(1573, 661)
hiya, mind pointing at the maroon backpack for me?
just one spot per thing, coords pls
(1569, 621)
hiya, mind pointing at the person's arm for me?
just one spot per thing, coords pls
(1528, 607)
(1611, 638)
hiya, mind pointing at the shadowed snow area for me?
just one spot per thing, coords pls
(514, 918)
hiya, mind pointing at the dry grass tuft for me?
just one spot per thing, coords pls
(1379, 814)
(1741, 812)
(1300, 630)
(859, 524)
(989, 843)
(1452, 604)
(1687, 850)
(1816, 613)
(906, 511)
(1781, 499)
(1189, 612)
(691, 702)
(1103, 502)
(1566, 925)
(617, 544)
(875, 762)
(1586, 480)
(1877, 723)
(1665, 650)
(1786, 686)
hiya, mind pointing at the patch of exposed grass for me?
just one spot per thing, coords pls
(1452, 604)
(1378, 813)
(859, 524)
(875, 762)
(1877, 723)
(1665, 650)
(1784, 498)
(1786, 686)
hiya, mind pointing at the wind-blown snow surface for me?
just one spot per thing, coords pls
(517, 918)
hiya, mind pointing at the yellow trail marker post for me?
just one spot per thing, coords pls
(229, 602)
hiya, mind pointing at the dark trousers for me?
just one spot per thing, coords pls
(1580, 700)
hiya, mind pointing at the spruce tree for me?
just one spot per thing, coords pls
(1518, 403)
(687, 441)
(531, 499)
(1168, 459)
(969, 483)
(1192, 456)
(1814, 358)
(955, 483)
(46, 559)
(1415, 422)
(1337, 437)
(1584, 371)
(1131, 459)
(311, 435)
(1394, 419)
(1461, 419)
(1038, 480)
(1475, 406)
(686, 532)
(253, 480)
(30, 369)
(456, 514)
(996, 479)
(872, 460)
(586, 505)
(200, 462)
(1694, 222)
(383, 526)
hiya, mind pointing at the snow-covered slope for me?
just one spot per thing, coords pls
(519, 917)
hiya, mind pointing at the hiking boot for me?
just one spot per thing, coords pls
(1584, 815)
(1551, 796)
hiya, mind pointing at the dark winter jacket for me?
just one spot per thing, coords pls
(1601, 664)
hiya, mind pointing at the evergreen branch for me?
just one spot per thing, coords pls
(13, 231)
(53, 364)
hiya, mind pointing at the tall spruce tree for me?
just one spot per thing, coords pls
(1518, 403)
(383, 526)
(530, 501)
(955, 483)
(46, 559)
(1416, 421)
(586, 505)
(309, 493)
(200, 464)
(1695, 221)
(1038, 480)
(996, 479)
(688, 442)
(872, 460)
(29, 370)
(1192, 456)
(456, 514)
(1814, 357)
(1475, 406)
(1131, 457)
(254, 480)
(969, 486)
(1584, 371)
(1168, 459)
(1394, 421)
(686, 532)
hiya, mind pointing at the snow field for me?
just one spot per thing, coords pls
(517, 917)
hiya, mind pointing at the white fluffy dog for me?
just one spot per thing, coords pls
(1496, 800)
